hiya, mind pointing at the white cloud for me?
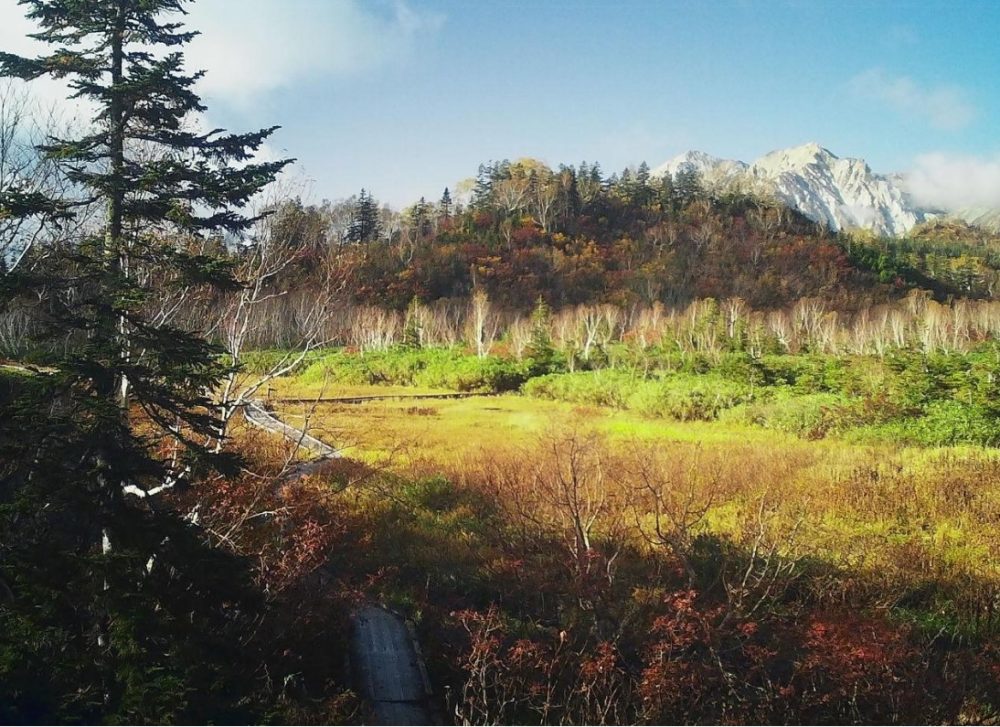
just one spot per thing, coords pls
(257, 46)
(14, 30)
(955, 182)
(251, 47)
(943, 106)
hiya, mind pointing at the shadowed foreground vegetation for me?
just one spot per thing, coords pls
(585, 560)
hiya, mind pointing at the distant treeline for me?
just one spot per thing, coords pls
(651, 256)
(573, 236)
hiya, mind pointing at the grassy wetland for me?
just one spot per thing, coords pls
(612, 533)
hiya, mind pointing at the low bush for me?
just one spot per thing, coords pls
(807, 415)
(689, 397)
(942, 424)
(446, 368)
(684, 397)
(266, 360)
(595, 388)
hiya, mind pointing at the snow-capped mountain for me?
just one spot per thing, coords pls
(713, 170)
(843, 194)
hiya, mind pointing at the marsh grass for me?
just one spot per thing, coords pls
(838, 534)
(796, 548)
(903, 516)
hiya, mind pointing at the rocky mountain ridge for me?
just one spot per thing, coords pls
(841, 193)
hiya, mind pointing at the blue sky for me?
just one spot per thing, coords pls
(405, 97)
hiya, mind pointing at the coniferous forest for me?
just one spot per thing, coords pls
(615, 447)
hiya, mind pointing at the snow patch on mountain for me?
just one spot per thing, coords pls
(842, 194)
(713, 170)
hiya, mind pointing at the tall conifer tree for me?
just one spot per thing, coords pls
(366, 225)
(444, 206)
(122, 578)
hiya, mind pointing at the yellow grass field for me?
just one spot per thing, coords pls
(900, 516)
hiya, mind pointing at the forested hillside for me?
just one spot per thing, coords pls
(573, 235)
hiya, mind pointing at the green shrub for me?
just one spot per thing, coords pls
(446, 368)
(484, 374)
(596, 388)
(806, 415)
(684, 397)
(340, 367)
(742, 368)
(809, 373)
(944, 423)
(689, 397)
(264, 360)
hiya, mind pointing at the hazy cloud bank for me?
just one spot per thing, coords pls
(256, 46)
(944, 107)
(953, 182)
(252, 47)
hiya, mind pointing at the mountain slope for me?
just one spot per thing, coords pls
(988, 218)
(842, 194)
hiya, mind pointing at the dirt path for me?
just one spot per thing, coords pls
(385, 655)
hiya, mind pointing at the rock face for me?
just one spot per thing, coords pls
(843, 194)
(987, 218)
(713, 170)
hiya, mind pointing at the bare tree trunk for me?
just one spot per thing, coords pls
(247, 311)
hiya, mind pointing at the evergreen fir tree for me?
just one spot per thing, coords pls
(420, 218)
(643, 190)
(597, 176)
(533, 186)
(413, 333)
(445, 205)
(540, 350)
(572, 203)
(366, 223)
(589, 183)
(688, 187)
(642, 175)
(665, 192)
(482, 192)
(126, 585)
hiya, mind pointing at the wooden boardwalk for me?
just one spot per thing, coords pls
(258, 416)
(389, 670)
(375, 397)
(385, 656)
